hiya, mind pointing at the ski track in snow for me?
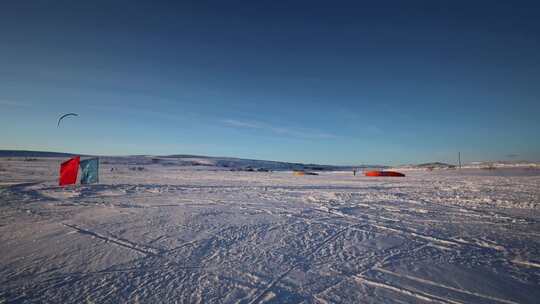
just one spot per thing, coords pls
(423, 281)
(409, 292)
(180, 235)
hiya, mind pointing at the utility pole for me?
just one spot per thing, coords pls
(459, 159)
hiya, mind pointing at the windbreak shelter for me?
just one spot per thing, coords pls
(68, 171)
(90, 171)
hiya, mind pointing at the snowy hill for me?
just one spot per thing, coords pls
(435, 165)
(502, 164)
(27, 153)
(186, 160)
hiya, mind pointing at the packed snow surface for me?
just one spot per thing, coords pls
(177, 234)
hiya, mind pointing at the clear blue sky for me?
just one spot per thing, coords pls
(355, 82)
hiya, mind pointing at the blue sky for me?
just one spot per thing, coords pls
(342, 83)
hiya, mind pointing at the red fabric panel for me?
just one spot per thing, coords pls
(69, 170)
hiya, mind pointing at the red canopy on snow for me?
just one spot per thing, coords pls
(384, 173)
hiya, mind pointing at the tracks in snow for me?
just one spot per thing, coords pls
(307, 253)
(120, 242)
(444, 241)
(431, 283)
(419, 295)
(374, 223)
(148, 251)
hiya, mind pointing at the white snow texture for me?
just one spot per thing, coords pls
(165, 233)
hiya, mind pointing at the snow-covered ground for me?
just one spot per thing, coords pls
(196, 235)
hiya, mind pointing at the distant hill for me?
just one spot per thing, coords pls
(473, 165)
(430, 166)
(250, 164)
(232, 162)
(223, 163)
(435, 165)
(26, 153)
(502, 164)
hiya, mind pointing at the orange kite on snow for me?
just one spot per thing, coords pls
(384, 173)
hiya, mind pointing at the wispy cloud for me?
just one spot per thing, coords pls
(373, 129)
(147, 112)
(12, 103)
(283, 131)
(242, 124)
